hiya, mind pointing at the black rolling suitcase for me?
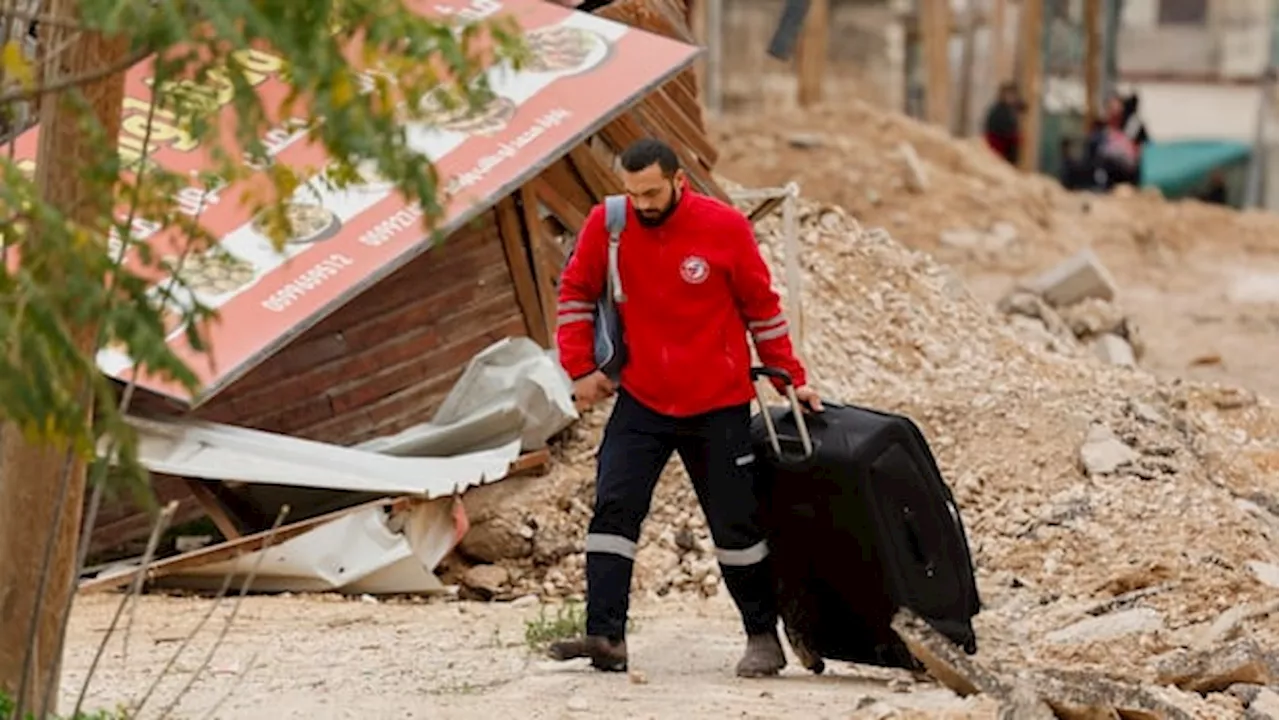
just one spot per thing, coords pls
(860, 523)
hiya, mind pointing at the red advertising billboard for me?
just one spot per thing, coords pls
(584, 71)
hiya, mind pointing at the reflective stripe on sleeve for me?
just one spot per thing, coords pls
(570, 318)
(744, 557)
(571, 305)
(611, 544)
(771, 333)
(758, 325)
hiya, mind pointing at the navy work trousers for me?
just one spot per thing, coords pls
(716, 450)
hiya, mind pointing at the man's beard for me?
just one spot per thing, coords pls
(651, 219)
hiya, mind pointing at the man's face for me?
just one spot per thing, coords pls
(653, 196)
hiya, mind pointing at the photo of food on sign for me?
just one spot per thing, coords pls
(564, 49)
(213, 273)
(486, 119)
(310, 223)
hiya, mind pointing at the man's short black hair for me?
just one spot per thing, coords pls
(646, 152)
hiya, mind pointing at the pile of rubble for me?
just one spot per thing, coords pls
(1072, 305)
(1113, 517)
(959, 200)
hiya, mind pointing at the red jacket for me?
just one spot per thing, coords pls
(693, 287)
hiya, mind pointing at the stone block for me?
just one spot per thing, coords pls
(1078, 277)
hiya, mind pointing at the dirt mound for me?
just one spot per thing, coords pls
(1174, 515)
(852, 155)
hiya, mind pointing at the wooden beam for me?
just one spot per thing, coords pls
(513, 246)
(935, 36)
(960, 126)
(1031, 60)
(213, 508)
(1092, 58)
(544, 271)
(1001, 59)
(570, 216)
(811, 60)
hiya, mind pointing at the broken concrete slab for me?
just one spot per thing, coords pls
(1267, 573)
(1103, 453)
(1205, 671)
(805, 140)
(1244, 692)
(1108, 627)
(917, 179)
(1078, 277)
(1221, 628)
(953, 669)
(1114, 350)
(1264, 706)
(1079, 695)
(486, 581)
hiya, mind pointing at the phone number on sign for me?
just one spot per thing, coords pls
(307, 281)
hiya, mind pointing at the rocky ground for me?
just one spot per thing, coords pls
(1118, 515)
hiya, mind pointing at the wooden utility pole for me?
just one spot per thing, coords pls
(811, 60)
(1001, 60)
(967, 51)
(1092, 58)
(36, 492)
(933, 17)
(1031, 60)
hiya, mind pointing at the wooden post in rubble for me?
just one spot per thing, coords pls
(1092, 58)
(32, 476)
(1000, 59)
(964, 112)
(934, 20)
(811, 60)
(1031, 64)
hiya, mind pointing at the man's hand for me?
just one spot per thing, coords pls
(808, 397)
(591, 389)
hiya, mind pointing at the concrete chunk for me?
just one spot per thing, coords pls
(1078, 277)
(1242, 661)
(1265, 706)
(1267, 573)
(1103, 453)
(1108, 627)
(917, 180)
(1114, 350)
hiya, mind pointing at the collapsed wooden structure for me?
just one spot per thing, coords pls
(385, 360)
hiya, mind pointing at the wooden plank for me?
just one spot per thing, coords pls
(1001, 60)
(513, 245)
(213, 508)
(570, 216)
(1031, 59)
(544, 273)
(599, 180)
(811, 58)
(961, 123)
(935, 34)
(685, 131)
(562, 177)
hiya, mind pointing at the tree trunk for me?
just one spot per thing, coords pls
(31, 476)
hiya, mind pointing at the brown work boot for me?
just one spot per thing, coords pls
(764, 656)
(605, 654)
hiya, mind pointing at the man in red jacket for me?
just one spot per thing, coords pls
(694, 284)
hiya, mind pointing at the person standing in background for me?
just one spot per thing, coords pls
(1002, 128)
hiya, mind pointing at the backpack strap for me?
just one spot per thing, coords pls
(615, 220)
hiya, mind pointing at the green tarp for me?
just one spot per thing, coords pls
(1181, 166)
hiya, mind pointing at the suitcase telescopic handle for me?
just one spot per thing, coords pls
(784, 377)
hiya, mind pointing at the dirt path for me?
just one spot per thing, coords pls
(322, 657)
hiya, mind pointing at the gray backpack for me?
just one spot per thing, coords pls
(610, 352)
